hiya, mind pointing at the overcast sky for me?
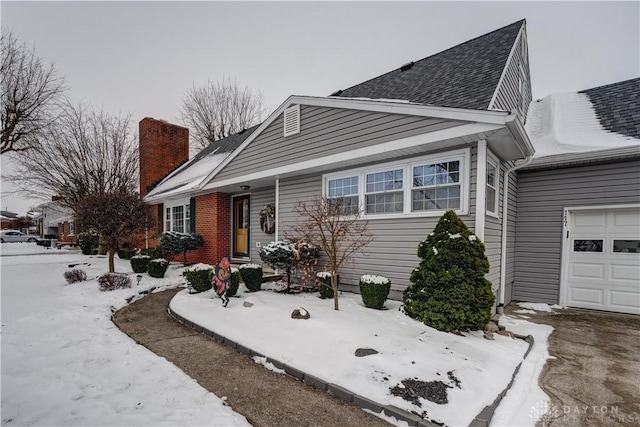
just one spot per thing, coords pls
(141, 57)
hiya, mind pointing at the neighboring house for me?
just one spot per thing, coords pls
(9, 220)
(432, 135)
(578, 219)
(56, 221)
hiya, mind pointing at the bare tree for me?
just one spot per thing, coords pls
(334, 227)
(84, 152)
(30, 93)
(220, 109)
(115, 216)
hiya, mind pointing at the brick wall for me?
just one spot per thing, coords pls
(213, 222)
(163, 146)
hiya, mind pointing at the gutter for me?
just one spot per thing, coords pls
(505, 221)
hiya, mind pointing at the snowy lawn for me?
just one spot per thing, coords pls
(469, 369)
(65, 363)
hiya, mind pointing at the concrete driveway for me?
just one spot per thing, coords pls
(593, 378)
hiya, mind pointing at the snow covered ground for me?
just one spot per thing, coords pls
(65, 363)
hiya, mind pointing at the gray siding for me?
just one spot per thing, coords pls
(508, 93)
(326, 131)
(260, 198)
(542, 197)
(492, 238)
(393, 251)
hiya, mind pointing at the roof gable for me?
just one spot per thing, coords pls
(464, 76)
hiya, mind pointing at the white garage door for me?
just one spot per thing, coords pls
(604, 260)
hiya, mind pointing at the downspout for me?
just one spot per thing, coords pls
(503, 251)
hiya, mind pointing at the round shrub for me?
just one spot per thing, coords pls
(157, 267)
(374, 290)
(199, 277)
(235, 282)
(251, 276)
(113, 281)
(139, 263)
(323, 280)
(75, 275)
(449, 291)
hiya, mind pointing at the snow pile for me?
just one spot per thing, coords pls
(378, 280)
(567, 123)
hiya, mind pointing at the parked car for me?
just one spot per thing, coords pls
(16, 236)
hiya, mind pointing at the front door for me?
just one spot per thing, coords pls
(241, 226)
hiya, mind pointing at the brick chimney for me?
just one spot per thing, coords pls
(163, 146)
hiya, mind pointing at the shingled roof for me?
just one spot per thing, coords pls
(464, 76)
(617, 106)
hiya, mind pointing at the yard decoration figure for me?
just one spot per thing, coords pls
(222, 280)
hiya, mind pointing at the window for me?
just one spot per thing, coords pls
(436, 186)
(626, 246)
(348, 189)
(588, 245)
(178, 218)
(71, 228)
(384, 192)
(492, 187)
(426, 186)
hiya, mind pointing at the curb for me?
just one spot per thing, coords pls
(481, 420)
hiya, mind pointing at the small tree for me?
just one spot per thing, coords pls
(449, 290)
(336, 228)
(279, 255)
(174, 243)
(115, 217)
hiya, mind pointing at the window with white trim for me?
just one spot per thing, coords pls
(426, 186)
(436, 186)
(384, 192)
(492, 186)
(72, 228)
(178, 218)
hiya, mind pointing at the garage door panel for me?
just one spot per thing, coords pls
(587, 271)
(603, 263)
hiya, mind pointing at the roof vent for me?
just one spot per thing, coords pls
(336, 93)
(407, 66)
(292, 120)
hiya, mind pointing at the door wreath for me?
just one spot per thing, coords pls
(268, 219)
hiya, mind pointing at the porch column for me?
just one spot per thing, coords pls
(277, 208)
(481, 188)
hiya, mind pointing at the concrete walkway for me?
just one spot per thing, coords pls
(263, 397)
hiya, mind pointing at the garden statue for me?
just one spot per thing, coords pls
(222, 280)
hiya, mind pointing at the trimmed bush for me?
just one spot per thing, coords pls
(88, 242)
(113, 281)
(125, 253)
(251, 276)
(199, 277)
(139, 263)
(175, 243)
(374, 290)
(323, 281)
(157, 267)
(75, 275)
(235, 282)
(449, 291)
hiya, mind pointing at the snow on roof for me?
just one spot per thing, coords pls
(564, 123)
(190, 175)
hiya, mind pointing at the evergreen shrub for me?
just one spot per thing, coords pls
(139, 263)
(323, 281)
(157, 267)
(374, 290)
(113, 281)
(235, 282)
(199, 277)
(449, 290)
(251, 276)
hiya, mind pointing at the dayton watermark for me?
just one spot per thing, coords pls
(573, 414)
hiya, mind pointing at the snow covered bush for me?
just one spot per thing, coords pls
(323, 281)
(235, 282)
(139, 263)
(199, 276)
(75, 275)
(174, 243)
(251, 276)
(449, 291)
(374, 290)
(279, 255)
(113, 281)
(157, 267)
